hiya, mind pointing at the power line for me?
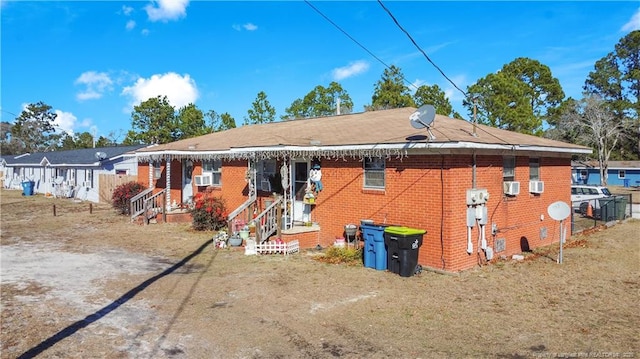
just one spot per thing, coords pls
(354, 40)
(418, 47)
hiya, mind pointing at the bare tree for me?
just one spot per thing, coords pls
(595, 126)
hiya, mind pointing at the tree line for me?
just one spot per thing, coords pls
(523, 96)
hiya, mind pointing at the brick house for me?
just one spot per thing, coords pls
(376, 166)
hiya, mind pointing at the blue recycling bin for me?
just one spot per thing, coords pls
(375, 251)
(27, 188)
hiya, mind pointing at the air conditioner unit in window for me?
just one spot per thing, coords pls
(204, 180)
(265, 186)
(511, 188)
(536, 186)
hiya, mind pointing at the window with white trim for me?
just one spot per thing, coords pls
(534, 169)
(622, 174)
(157, 169)
(213, 168)
(374, 172)
(508, 168)
(265, 172)
(88, 177)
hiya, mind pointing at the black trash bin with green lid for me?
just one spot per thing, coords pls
(403, 246)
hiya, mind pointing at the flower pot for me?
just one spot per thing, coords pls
(235, 241)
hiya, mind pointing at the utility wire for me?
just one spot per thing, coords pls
(354, 40)
(418, 47)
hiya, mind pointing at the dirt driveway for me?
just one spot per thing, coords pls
(93, 285)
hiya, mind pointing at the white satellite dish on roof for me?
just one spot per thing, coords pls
(101, 156)
(423, 118)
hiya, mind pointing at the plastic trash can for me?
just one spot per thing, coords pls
(27, 188)
(612, 208)
(403, 247)
(374, 252)
(621, 207)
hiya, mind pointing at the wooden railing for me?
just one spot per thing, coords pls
(155, 205)
(147, 203)
(136, 203)
(241, 214)
(267, 221)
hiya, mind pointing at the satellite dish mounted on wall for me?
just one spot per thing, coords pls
(423, 118)
(101, 156)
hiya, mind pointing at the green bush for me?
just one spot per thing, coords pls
(121, 197)
(344, 255)
(209, 212)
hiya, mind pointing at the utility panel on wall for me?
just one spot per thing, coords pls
(477, 196)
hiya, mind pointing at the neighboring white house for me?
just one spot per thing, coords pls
(71, 173)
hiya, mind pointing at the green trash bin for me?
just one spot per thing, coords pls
(612, 208)
(621, 207)
(607, 210)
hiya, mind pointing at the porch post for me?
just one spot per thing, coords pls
(168, 187)
(151, 174)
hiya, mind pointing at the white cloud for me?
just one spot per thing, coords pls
(452, 93)
(97, 83)
(130, 25)
(65, 121)
(127, 10)
(180, 90)
(413, 87)
(165, 10)
(145, 32)
(633, 24)
(248, 26)
(354, 68)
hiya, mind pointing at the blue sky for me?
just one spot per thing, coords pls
(92, 61)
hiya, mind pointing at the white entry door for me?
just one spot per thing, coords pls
(187, 178)
(301, 212)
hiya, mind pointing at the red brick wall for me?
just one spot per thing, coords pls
(414, 197)
(143, 173)
(426, 192)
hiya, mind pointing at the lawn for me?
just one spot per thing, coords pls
(87, 283)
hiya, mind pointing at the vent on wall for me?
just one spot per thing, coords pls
(203, 180)
(536, 186)
(511, 188)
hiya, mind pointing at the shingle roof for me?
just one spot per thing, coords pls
(374, 128)
(84, 156)
(366, 128)
(611, 164)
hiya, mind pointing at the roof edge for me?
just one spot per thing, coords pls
(376, 150)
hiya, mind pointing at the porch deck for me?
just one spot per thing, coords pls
(301, 228)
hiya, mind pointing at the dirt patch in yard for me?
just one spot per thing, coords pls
(89, 285)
